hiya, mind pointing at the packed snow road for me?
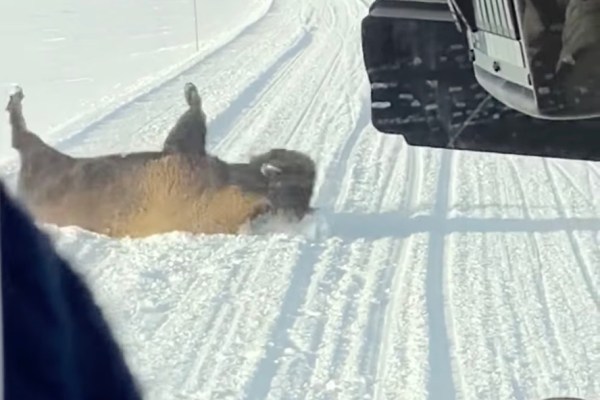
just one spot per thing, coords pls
(427, 274)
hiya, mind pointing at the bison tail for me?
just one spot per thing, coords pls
(191, 95)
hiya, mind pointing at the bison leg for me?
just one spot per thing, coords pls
(18, 125)
(41, 165)
(189, 133)
(23, 140)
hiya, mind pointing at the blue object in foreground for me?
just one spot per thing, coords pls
(57, 345)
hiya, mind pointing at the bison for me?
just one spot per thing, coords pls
(179, 188)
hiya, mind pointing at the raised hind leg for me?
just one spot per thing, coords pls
(41, 164)
(20, 134)
(23, 140)
(188, 135)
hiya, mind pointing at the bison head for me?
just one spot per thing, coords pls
(290, 178)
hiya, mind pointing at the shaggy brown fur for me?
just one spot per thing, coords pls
(157, 194)
(141, 194)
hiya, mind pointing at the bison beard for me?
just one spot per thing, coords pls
(180, 188)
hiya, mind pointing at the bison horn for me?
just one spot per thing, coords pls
(269, 170)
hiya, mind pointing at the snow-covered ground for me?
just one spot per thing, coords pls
(431, 275)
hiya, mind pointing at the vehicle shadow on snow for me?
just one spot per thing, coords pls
(352, 226)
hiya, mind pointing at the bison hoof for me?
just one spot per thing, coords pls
(16, 97)
(17, 91)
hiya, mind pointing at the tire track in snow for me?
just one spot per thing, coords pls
(480, 296)
(485, 331)
(182, 258)
(304, 129)
(327, 196)
(492, 339)
(472, 294)
(359, 370)
(254, 91)
(238, 139)
(302, 110)
(226, 315)
(192, 287)
(381, 371)
(594, 169)
(364, 184)
(320, 333)
(260, 384)
(594, 292)
(338, 351)
(379, 313)
(403, 373)
(333, 351)
(385, 368)
(583, 200)
(400, 197)
(541, 285)
(506, 250)
(518, 337)
(218, 329)
(561, 207)
(373, 357)
(312, 105)
(337, 167)
(305, 118)
(196, 286)
(224, 329)
(327, 349)
(339, 359)
(260, 387)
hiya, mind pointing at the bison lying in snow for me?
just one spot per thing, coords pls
(180, 188)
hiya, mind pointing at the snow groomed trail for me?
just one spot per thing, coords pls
(430, 275)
